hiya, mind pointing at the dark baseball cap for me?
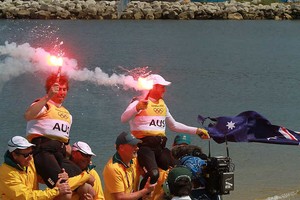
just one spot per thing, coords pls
(127, 138)
(178, 173)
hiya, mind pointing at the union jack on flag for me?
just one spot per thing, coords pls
(249, 126)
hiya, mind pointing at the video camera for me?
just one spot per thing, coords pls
(219, 176)
(215, 173)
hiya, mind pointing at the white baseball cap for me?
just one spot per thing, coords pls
(158, 79)
(18, 142)
(82, 147)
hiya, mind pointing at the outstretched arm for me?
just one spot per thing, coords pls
(180, 127)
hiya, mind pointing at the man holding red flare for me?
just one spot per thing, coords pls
(148, 119)
(48, 127)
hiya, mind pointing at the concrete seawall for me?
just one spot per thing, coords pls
(136, 10)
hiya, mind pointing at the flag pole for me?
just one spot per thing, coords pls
(209, 148)
(226, 144)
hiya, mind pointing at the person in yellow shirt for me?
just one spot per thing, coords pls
(121, 176)
(81, 155)
(148, 119)
(18, 178)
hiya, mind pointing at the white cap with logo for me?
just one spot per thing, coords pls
(158, 79)
(18, 142)
(82, 147)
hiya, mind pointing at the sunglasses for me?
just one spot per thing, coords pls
(25, 155)
(85, 155)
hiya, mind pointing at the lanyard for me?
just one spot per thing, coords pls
(126, 174)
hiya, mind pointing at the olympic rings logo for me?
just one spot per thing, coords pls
(158, 110)
(63, 115)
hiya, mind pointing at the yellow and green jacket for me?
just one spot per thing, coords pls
(119, 177)
(97, 184)
(17, 183)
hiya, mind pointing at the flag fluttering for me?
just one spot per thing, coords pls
(249, 126)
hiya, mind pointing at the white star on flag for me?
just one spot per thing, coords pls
(230, 125)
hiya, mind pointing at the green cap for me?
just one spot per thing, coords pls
(182, 139)
(178, 173)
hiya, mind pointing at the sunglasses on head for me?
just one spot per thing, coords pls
(25, 155)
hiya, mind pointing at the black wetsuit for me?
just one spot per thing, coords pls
(49, 159)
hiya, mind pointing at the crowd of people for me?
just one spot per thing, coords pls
(140, 169)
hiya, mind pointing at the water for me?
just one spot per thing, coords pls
(216, 68)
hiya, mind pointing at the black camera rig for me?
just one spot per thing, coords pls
(218, 174)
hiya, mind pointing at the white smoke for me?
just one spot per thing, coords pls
(16, 60)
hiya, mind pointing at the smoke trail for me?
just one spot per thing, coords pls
(16, 60)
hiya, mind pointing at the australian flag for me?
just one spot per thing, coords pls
(249, 126)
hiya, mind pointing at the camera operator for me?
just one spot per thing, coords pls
(193, 158)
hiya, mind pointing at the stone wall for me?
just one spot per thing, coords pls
(91, 9)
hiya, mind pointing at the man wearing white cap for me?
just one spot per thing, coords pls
(18, 178)
(121, 177)
(148, 119)
(81, 155)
